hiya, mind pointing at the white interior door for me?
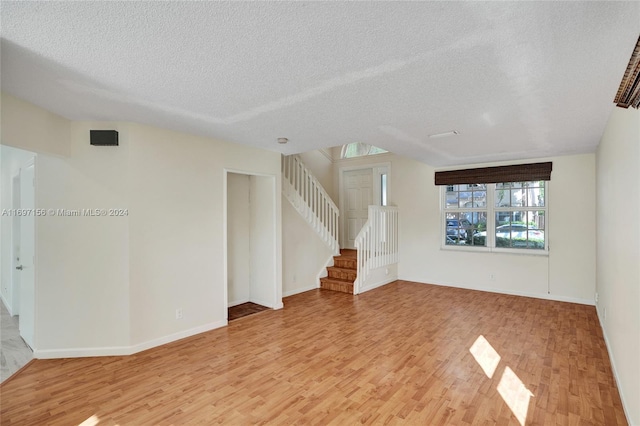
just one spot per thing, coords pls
(27, 252)
(358, 195)
(15, 247)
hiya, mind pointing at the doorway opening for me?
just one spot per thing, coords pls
(17, 292)
(360, 187)
(251, 244)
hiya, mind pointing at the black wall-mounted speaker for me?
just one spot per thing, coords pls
(104, 137)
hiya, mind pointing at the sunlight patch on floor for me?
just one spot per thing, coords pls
(91, 421)
(485, 355)
(515, 394)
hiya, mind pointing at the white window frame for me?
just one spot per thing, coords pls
(491, 210)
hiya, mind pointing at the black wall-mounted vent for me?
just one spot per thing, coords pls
(104, 137)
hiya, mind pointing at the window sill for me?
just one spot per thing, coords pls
(487, 250)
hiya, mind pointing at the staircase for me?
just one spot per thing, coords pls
(308, 197)
(353, 271)
(342, 275)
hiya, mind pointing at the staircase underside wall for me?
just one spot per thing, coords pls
(304, 254)
(379, 276)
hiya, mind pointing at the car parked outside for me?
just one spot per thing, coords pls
(457, 230)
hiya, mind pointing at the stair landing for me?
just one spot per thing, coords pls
(342, 274)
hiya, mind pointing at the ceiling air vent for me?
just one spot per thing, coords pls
(629, 92)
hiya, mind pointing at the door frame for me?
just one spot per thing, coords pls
(378, 170)
(31, 162)
(15, 236)
(276, 230)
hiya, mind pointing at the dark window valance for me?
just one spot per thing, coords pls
(515, 173)
(629, 91)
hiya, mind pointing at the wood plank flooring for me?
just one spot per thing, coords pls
(405, 353)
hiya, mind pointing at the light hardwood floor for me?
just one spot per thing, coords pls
(405, 353)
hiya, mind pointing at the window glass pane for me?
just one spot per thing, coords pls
(534, 192)
(452, 200)
(453, 196)
(467, 196)
(478, 228)
(383, 189)
(359, 149)
(502, 196)
(462, 227)
(517, 197)
(519, 194)
(465, 199)
(520, 229)
(480, 198)
(376, 150)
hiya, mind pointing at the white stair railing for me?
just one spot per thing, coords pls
(311, 200)
(377, 242)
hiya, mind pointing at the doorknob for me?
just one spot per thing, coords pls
(19, 267)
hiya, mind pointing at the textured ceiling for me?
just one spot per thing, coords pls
(516, 79)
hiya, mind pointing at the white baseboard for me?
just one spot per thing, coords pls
(378, 277)
(544, 296)
(616, 377)
(268, 304)
(177, 336)
(298, 290)
(82, 352)
(125, 350)
(6, 304)
(377, 284)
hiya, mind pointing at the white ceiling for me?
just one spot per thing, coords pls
(516, 79)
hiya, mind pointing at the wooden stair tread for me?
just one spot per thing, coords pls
(338, 280)
(336, 284)
(345, 262)
(345, 266)
(341, 269)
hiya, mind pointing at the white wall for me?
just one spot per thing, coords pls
(31, 128)
(263, 260)
(320, 164)
(618, 254)
(238, 239)
(572, 218)
(111, 285)
(568, 273)
(177, 226)
(10, 161)
(82, 262)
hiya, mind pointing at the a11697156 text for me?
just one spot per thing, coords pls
(65, 212)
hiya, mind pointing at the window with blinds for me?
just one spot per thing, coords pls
(486, 209)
